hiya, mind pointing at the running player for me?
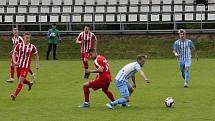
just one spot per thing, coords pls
(24, 52)
(102, 81)
(87, 40)
(16, 39)
(182, 50)
(121, 81)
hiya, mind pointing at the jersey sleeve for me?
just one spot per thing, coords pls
(101, 62)
(79, 37)
(93, 36)
(175, 45)
(137, 67)
(191, 44)
(34, 50)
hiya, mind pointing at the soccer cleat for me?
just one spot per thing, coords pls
(125, 105)
(86, 75)
(13, 97)
(11, 80)
(185, 85)
(84, 105)
(30, 86)
(109, 105)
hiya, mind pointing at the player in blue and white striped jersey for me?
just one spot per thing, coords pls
(121, 81)
(182, 50)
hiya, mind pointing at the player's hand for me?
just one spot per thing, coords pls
(11, 51)
(87, 71)
(176, 54)
(60, 41)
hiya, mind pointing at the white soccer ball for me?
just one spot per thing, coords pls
(169, 102)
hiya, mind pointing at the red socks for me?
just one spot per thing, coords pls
(26, 82)
(85, 64)
(86, 94)
(11, 71)
(109, 95)
(18, 89)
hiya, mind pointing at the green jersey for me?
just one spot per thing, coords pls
(53, 36)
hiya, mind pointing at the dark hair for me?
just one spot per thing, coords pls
(87, 25)
(26, 33)
(140, 57)
(54, 24)
(91, 50)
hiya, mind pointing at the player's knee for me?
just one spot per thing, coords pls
(187, 68)
(85, 85)
(21, 79)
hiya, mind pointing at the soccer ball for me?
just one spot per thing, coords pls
(169, 102)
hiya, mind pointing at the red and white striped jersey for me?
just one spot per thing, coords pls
(86, 41)
(101, 62)
(25, 53)
(16, 40)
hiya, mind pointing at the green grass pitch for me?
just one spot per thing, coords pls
(58, 91)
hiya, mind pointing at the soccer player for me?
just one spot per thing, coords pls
(24, 52)
(87, 40)
(53, 39)
(16, 39)
(182, 50)
(102, 81)
(121, 81)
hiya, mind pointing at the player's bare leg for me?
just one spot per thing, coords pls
(12, 69)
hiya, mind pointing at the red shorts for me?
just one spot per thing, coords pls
(85, 56)
(100, 83)
(22, 72)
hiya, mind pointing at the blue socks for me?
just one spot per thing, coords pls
(119, 101)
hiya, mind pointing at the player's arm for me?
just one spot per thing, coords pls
(58, 35)
(174, 50)
(142, 74)
(133, 80)
(37, 58)
(49, 34)
(95, 42)
(99, 70)
(14, 55)
(78, 39)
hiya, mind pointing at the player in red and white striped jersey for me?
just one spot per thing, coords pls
(16, 39)
(87, 40)
(24, 52)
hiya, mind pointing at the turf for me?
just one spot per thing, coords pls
(57, 93)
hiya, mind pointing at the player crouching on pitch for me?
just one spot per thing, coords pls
(102, 81)
(121, 81)
(24, 52)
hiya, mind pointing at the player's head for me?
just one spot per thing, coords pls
(86, 28)
(141, 59)
(26, 37)
(92, 52)
(54, 26)
(15, 31)
(182, 34)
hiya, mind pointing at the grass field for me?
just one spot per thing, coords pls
(57, 93)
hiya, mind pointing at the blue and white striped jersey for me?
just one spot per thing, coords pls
(128, 71)
(183, 48)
